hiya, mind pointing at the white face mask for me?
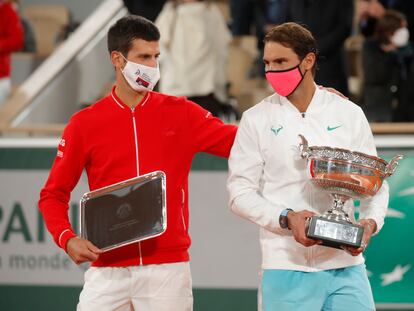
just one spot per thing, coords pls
(141, 77)
(400, 37)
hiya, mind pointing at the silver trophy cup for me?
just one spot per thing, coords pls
(344, 174)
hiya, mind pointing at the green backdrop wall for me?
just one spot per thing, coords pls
(389, 258)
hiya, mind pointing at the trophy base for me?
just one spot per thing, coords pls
(335, 233)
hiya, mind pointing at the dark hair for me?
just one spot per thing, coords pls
(129, 28)
(387, 25)
(294, 36)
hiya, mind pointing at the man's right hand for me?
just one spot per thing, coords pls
(81, 250)
(297, 222)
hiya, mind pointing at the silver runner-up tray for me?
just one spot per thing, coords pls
(126, 212)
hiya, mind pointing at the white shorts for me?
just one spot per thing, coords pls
(140, 288)
(5, 89)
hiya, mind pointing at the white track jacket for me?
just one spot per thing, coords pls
(268, 175)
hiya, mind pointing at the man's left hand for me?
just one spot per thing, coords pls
(369, 228)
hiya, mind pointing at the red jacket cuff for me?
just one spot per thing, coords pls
(64, 238)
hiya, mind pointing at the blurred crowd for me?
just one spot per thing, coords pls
(11, 40)
(32, 29)
(387, 59)
(195, 39)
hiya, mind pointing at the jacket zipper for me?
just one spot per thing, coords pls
(308, 249)
(135, 139)
(137, 164)
(182, 208)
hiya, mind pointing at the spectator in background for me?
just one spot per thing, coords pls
(29, 40)
(29, 45)
(407, 8)
(331, 24)
(369, 11)
(11, 39)
(194, 51)
(386, 58)
(147, 8)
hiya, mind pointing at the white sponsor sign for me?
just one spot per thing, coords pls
(28, 254)
(225, 250)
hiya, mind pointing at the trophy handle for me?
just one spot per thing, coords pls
(305, 151)
(392, 165)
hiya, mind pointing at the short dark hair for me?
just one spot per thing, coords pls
(294, 36)
(387, 25)
(129, 28)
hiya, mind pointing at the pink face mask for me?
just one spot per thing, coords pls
(285, 82)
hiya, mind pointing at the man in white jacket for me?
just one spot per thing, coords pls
(269, 185)
(194, 50)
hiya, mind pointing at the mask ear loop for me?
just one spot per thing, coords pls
(302, 75)
(125, 59)
(306, 70)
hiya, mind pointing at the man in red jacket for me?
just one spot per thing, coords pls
(131, 132)
(11, 39)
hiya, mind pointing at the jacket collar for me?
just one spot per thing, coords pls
(316, 104)
(120, 104)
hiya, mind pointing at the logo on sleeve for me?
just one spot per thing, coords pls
(61, 147)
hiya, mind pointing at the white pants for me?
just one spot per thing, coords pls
(5, 89)
(165, 287)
